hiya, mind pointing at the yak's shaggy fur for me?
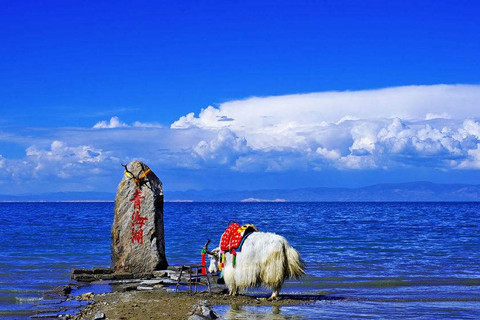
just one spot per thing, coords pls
(266, 259)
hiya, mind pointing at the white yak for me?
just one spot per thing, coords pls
(266, 259)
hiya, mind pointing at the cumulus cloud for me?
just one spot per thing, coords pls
(472, 161)
(59, 150)
(328, 154)
(113, 123)
(401, 126)
(409, 102)
(223, 149)
(433, 127)
(63, 160)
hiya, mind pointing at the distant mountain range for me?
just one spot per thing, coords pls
(411, 191)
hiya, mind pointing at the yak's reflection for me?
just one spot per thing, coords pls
(239, 312)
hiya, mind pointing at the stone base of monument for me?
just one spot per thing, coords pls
(187, 276)
(65, 301)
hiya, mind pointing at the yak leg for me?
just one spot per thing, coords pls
(275, 293)
(232, 288)
(233, 291)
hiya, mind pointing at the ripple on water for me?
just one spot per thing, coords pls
(384, 252)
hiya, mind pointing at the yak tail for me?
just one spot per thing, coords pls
(295, 264)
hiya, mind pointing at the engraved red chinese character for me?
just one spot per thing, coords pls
(137, 220)
(137, 236)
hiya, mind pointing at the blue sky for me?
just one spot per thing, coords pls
(309, 93)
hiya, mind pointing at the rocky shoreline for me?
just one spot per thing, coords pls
(174, 293)
(160, 304)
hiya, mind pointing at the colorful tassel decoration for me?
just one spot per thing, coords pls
(222, 261)
(234, 253)
(204, 269)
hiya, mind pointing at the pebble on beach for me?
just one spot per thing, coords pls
(203, 310)
(99, 315)
(88, 296)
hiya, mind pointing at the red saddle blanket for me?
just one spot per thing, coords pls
(232, 237)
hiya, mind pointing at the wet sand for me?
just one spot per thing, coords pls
(160, 304)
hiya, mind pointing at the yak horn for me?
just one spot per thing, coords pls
(208, 251)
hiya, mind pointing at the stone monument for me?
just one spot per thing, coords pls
(138, 244)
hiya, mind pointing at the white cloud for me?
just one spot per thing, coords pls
(113, 123)
(59, 150)
(222, 149)
(410, 102)
(406, 127)
(364, 136)
(359, 129)
(356, 162)
(430, 116)
(473, 159)
(470, 127)
(328, 154)
(63, 160)
(139, 124)
(346, 118)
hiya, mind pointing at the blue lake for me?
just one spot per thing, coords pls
(388, 260)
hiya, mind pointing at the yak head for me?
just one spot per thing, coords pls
(214, 257)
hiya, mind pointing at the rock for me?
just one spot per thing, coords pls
(151, 282)
(125, 281)
(81, 270)
(143, 275)
(110, 276)
(102, 270)
(174, 276)
(144, 288)
(62, 290)
(99, 315)
(138, 244)
(208, 312)
(176, 268)
(168, 282)
(203, 311)
(161, 273)
(197, 316)
(88, 296)
(122, 276)
(89, 275)
(124, 288)
(84, 277)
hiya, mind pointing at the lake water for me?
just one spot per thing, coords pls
(383, 260)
